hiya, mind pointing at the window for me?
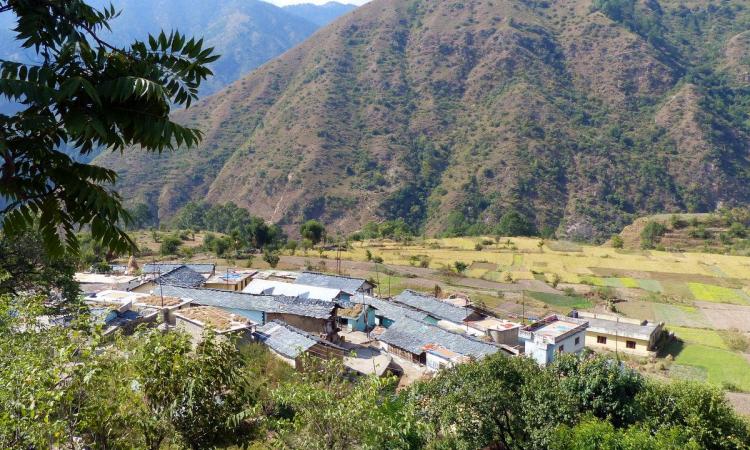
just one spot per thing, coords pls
(630, 344)
(561, 349)
(578, 340)
(601, 339)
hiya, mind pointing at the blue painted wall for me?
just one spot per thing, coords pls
(256, 316)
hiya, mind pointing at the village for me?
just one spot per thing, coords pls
(311, 314)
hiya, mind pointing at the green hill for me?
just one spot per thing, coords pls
(580, 115)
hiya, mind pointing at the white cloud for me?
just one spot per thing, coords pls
(317, 2)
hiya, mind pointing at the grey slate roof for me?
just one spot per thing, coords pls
(286, 339)
(167, 267)
(433, 306)
(342, 283)
(392, 310)
(412, 336)
(264, 303)
(181, 276)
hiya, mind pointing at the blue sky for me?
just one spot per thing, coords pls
(317, 2)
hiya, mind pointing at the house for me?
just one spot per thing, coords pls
(205, 269)
(196, 320)
(501, 331)
(290, 343)
(168, 306)
(178, 276)
(384, 313)
(620, 334)
(312, 316)
(348, 285)
(114, 310)
(552, 335)
(412, 340)
(352, 316)
(443, 314)
(271, 287)
(231, 280)
(96, 282)
(126, 300)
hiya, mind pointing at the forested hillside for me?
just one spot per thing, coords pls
(579, 115)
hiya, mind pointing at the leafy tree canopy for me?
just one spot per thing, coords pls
(85, 93)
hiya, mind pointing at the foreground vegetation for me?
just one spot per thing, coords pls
(67, 387)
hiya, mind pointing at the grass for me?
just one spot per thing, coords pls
(650, 285)
(562, 301)
(721, 367)
(707, 338)
(679, 315)
(716, 294)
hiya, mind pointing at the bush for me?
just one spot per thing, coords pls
(377, 259)
(170, 245)
(271, 257)
(651, 234)
(479, 247)
(617, 241)
(460, 266)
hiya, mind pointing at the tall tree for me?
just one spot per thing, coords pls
(85, 93)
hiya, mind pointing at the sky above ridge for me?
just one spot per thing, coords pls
(317, 2)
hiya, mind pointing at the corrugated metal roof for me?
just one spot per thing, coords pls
(270, 287)
(433, 306)
(166, 267)
(264, 303)
(181, 276)
(342, 283)
(413, 336)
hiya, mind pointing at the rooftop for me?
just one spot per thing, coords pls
(270, 287)
(215, 318)
(158, 301)
(181, 276)
(288, 340)
(553, 328)
(432, 305)
(615, 325)
(207, 268)
(102, 278)
(231, 277)
(264, 303)
(393, 311)
(343, 283)
(492, 323)
(414, 336)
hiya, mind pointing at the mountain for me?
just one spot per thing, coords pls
(578, 115)
(320, 15)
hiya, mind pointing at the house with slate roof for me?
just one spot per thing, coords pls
(348, 285)
(290, 343)
(412, 340)
(312, 316)
(205, 269)
(178, 276)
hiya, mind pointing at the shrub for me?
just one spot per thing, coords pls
(460, 266)
(651, 234)
(271, 257)
(170, 245)
(377, 259)
(617, 241)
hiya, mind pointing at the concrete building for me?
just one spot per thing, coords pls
(197, 319)
(554, 334)
(289, 343)
(608, 332)
(234, 281)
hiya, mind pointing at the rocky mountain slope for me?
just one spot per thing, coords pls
(580, 115)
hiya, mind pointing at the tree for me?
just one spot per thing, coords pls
(512, 223)
(170, 245)
(29, 269)
(651, 234)
(617, 241)
(86, 94)
(313, 231)
(460, 266)
(271, 257)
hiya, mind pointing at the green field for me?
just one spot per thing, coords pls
(717, 294)
(721, 367)
(562, 301)
(708, 338)
(679, 315)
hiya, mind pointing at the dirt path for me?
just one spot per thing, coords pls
(420, 276)
(740, 401)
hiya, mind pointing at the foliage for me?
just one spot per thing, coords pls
(617, 241)
(313, 231)
(87, 94)
(651, 233)
(271, 257)
(389, 229)
(512, 223)
(28, 268)
(460, 266)
(170, 245)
